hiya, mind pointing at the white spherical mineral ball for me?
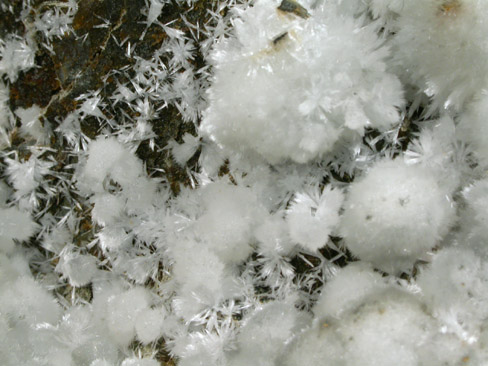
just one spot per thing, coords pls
(394, 214)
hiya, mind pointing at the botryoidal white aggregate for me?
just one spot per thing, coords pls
(286, 103)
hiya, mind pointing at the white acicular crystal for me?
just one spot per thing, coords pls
(288, 87)
(474, 217)
(201, 275)
(99, 362)
(347, 290)
(274, 322)
(31, 124)
(273, 235)
(276, 183)
(183, 152)
(123, 310)
(25, 300)
(149, 325)
(133, 361)
(16, 55)
(312, 217)
(384, 8)
(455, 287)
(395, 214)
(109, 160)
(473, 128)
(231, 214)
(390, 327)
(78, 268)
(14, 224)
(450, 48)
(107, 208)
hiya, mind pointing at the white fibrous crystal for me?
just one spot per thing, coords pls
(455, 287)
(385, 8)
(247, 182)
(273, 235)
(24, 300)
(139, 362)
(123, 310)
(474, 217)
(347, 290)
(107, 207)
(57, 22)
(78, 268)
(383, 325)
(16, 55)
(473, 129)
(155, 8)
(274, 322)
(395, 214)
(312, 81)
(5, 114)
(117, 177)
(449, 37)
(100, 362)
(230, 215)
(201, 275)
(31, 125)
(183, 152)
(312, 217)
(109, 160)
(27, 176)
(399, 316)
(14, 224)
(149, 325)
